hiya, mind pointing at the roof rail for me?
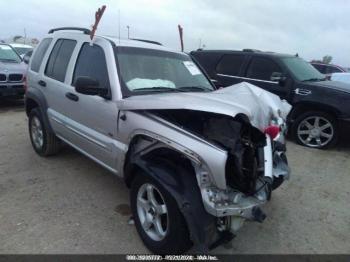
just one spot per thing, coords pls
(146, 41)
(84, 30)
(250, 50)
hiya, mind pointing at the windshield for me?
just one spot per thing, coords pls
(22, 50)
(7, 54)
(302, 70)
(144, 71)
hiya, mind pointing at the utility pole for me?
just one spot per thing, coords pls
(128, 27)
(25, 36)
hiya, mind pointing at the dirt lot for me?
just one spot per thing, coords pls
(68, 204)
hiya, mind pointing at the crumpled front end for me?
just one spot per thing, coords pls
(255, 166)
(237, 160)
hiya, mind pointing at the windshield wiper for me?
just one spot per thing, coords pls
(313, 80)
(8, 60)
(158, 89)
(195, 88)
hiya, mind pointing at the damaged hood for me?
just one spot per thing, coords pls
(243, 98)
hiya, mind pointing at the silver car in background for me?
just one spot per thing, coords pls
(12, 73)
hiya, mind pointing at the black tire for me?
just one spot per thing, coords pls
(177, 238)
(313, 144)
(50, 143)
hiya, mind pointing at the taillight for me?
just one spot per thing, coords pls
(25, 84)
(272, 131)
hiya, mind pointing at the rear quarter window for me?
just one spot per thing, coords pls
(230, 64)
(61, 53)
(39, 54)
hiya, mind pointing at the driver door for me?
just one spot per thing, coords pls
(92, 120)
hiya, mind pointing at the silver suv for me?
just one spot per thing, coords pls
(198, 161)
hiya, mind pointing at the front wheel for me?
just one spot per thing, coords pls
(316, 129)
(158, 219)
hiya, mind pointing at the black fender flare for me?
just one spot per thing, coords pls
(39, 98)
(183, 187)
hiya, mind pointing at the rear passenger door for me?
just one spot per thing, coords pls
(262, 72)
(229, 69)
(52, 82)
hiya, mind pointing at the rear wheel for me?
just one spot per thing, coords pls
(44, 142)
(158, 219)
(316, 129)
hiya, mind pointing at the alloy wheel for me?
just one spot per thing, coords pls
(315, 131)
(37, 132)
(152, 212)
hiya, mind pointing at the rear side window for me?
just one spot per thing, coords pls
(333, 69)
(39, 54)
(91, 62)
(56, 67)
(320, 68)
(263, 69)
(230, 65)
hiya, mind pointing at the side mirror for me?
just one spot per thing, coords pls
(278, 77)
(88, 86)
(26, 59)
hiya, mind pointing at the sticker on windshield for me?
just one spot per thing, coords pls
(192, 68)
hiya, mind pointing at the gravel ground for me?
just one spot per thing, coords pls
(69, 204)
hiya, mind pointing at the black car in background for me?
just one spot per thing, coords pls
(320, 107)
(327, 69)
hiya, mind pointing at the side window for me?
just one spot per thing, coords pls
(320, 68)
(230, 65)
(333, 69)
(91, 62)
(263, 69)
(61, 53)
(39, 54)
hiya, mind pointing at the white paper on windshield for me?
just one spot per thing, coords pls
(192, 68)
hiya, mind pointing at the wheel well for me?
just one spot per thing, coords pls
(168, 154)
(299, 109)
(30, 105)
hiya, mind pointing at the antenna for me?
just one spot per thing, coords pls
(119, 25)
(25, 36)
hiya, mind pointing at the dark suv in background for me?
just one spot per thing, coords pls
(319, 106)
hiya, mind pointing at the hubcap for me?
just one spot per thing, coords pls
(315, 131)
(152, 212)
(37, 132)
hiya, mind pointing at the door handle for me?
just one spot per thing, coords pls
(72, 96)
(42, 83)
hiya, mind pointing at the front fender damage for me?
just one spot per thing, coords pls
(183, 186)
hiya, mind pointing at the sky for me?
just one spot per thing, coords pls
(310, 28)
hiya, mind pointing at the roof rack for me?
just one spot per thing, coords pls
(250, 50)
(146, 41)
(84, 30)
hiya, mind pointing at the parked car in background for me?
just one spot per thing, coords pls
(12, 73)
(328, 69)
(199, 161)
(341, 77)
(21, 49)
(320, 107)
